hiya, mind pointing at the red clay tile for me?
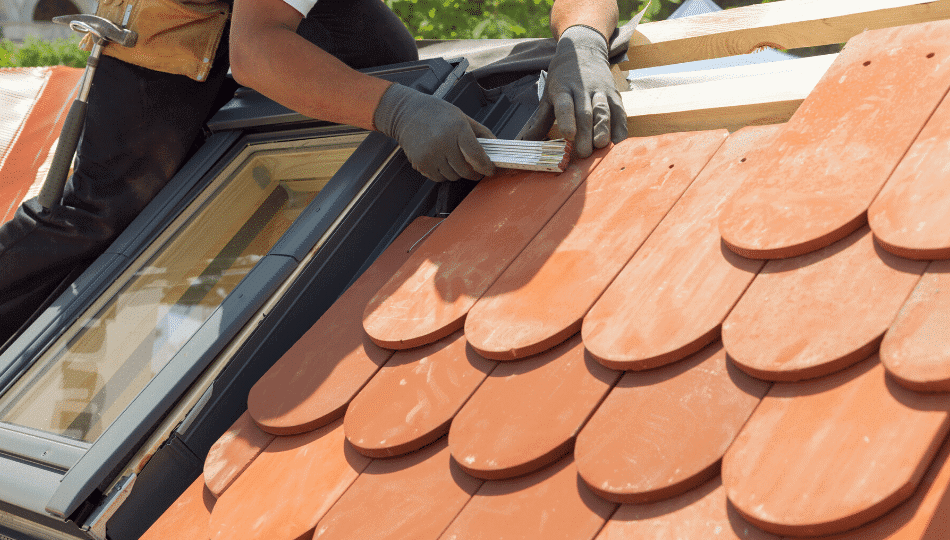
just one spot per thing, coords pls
(233, 452)
(916, 349)
(660, 433)
(431, 294)
(682, 272)
(841, 145)
(412, 400)
(289, 487)
(541, 299)
(410, 497)
(817, 313)
(526, 414)
(550, 504)
(700, 513)
(187, 518)
(911, 215)
(829, 455)
(313, 382)
(925, 516)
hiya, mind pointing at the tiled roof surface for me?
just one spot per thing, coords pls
(33, 103)
(584, 356)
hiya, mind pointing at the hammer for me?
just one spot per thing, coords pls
(103, 32)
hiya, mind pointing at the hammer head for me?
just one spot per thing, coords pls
(103, 30)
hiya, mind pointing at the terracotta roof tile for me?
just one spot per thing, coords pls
(233, 452)
(925, 516)
(803, 318)
(911, 215)
(699, 513)
(662, 432)
(916, 349)
(289, 487)
(681, 272)
(550, 504)
(843, 448)
(541, 299)
(414, 496)
(526, 414)
(188, 517)
(312, 383)
(431, 294)
(876, 440)
(839, 148)
(412, 400)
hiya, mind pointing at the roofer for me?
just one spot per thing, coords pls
(149, 102)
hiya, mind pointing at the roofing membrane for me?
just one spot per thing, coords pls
(586, 355)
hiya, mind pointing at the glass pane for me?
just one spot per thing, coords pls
(87, 379)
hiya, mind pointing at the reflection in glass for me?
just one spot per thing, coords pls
(79, 387)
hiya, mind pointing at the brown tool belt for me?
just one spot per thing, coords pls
(179, 37)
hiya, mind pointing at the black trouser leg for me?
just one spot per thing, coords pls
(140, 126)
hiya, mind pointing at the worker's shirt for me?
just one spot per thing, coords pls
(175, 36)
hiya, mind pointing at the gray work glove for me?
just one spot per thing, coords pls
(437, 137)
(581, 94)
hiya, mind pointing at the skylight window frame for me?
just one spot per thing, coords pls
(64, 486)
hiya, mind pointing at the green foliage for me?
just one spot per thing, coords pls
(476, 19)
(35, 52)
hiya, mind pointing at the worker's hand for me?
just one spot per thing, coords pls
(438, 138)
(580, 93)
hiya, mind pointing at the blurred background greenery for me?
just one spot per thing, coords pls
(478, 19)
(426, 19)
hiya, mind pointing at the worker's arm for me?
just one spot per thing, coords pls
(268, 56)
(601, 15)
(580, 91)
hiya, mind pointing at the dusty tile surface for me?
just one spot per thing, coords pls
(801, 318)
(661, 432)
(662, 417)
(414, 496)
(916, 348)
(526, 414)
(876, 443)
(306, 473)
(911, 215)
(682, 271)
(541, 299)
(320, 374)
(233, 452)
(430, 295)
(412, 400)
(842, 144)
(548, 504)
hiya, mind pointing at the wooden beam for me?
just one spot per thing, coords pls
(788, 24)
(728, 98)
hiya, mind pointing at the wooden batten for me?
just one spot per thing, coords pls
(728, 98)
(788, 24)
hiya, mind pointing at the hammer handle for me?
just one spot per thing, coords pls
(52, 191)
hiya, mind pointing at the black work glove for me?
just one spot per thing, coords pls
(580, 93)
(437, 137)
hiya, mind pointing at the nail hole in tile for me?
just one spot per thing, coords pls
(623, 168)
(742, 160)
(671, 166)
(868, 63)
(931, 55)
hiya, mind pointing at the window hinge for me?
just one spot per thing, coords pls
(95, 527)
